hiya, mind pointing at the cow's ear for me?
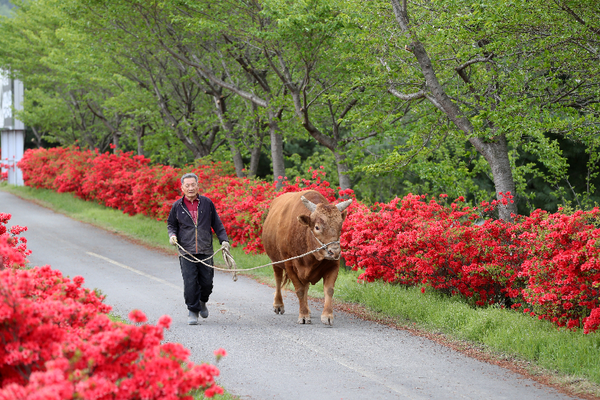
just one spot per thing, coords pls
(344, 215)
(304, 219)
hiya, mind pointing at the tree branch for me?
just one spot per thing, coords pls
(460, 69)
(576, 17)
(406, 97)
(205, 73)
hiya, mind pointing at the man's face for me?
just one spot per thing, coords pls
(189, 187)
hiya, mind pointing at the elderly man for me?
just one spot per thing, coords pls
(189, 225)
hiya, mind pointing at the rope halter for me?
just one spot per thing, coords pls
(324, 246)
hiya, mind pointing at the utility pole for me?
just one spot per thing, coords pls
(11, 129)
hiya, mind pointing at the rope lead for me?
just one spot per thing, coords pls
(232, 266)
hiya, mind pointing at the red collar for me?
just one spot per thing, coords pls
(190, 203)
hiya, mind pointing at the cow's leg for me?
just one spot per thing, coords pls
(328, 284)
(278, 300)
(302, 293)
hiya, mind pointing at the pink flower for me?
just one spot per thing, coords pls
(164, 322)
(137, 316)
(78, 280)
(220, 353)
(214, 389)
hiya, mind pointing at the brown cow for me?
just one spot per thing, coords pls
(289, 231)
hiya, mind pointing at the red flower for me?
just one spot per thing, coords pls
(220, 353)
(412, 241)
(164, 322)
(210, 392)
(137, 316)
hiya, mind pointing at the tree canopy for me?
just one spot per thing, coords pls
(471, 99)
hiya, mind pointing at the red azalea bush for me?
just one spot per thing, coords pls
(562, 268)
(544, 264)
(58, 342)
(412, 241)
(243, 203)
(13, 248)
(123, 181)
(45, 168)
(129, 183)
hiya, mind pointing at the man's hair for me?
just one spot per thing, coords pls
(189, 175)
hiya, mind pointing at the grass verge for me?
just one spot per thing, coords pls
(565, 359)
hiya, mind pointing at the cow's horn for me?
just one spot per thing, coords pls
(309, 204)
(343, 205)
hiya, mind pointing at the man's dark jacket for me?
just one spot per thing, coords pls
(196, 239)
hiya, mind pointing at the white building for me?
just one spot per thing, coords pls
(11, 129)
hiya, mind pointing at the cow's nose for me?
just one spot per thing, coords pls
(333, 251)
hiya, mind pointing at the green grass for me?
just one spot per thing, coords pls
(224, 396)
(571, 359)
(509, 332)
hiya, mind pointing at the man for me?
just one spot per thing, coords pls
(189, 225)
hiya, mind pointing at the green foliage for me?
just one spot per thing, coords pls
(143, 76)
(522, 77)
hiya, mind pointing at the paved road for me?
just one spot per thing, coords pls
(269, 355)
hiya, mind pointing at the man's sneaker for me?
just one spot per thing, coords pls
(192, 318)
(203, 310)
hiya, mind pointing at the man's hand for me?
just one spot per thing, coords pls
(226, 246)
(173, 240)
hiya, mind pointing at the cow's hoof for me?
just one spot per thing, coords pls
(279, 309)
(327, 319)
(304, 320)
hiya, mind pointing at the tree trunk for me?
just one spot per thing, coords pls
(276, 150)
(254, 159)
(342, 168)
(238, 162)
(38, 138)
(115, 140)
(139, 137)
(495, 151)
(255, 141)
(228, 130)
(496, 154)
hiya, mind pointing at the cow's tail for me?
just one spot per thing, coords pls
(285, 281)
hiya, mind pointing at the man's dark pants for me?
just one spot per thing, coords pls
(197, 281)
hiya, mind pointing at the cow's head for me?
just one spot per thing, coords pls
(325, 223)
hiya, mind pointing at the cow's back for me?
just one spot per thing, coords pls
(282, 235)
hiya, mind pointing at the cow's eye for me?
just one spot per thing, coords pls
(316, 228)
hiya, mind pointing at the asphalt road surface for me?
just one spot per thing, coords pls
(269, 356)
